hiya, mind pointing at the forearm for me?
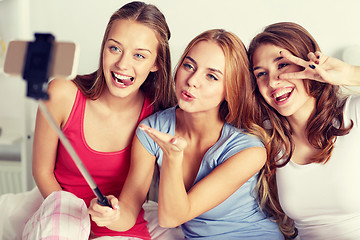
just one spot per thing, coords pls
(125, 219)
(173, 199)
(46, 183)
(133, 193)
(356, 75)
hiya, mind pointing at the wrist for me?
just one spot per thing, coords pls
(356, 75)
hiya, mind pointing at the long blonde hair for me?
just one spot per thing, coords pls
(240, 106)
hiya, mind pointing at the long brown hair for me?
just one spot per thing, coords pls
(320, 129)
(158, 86)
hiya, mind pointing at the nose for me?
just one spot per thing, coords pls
(123, 62)
(274, 80)
(193, 80)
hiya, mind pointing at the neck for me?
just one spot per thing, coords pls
(299, 120)
(121, 104)
(198, 125)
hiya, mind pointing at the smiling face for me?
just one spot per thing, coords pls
(200, 79)
(288, 97)
(129, 56)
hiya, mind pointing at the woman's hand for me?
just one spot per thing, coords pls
(103, 215)
(323, 68)
(168, 143)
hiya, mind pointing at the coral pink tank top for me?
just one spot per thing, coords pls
(108, 169)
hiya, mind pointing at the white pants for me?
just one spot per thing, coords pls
(16, 209)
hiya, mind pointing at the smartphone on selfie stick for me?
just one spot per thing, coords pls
(38, 61)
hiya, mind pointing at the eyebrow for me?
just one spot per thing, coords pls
(211, 69)
(275, 60)
(139, 49)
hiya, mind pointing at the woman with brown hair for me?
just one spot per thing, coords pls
(314, 132)
(99, 113)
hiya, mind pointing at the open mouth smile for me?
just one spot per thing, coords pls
(122, 80)
(280, 96)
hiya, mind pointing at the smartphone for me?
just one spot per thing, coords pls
(63, 63)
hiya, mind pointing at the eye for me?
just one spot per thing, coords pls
(139, 56)
(114, 49)
(188, 66)
(260, 74)
(212, 77)
(282, 65)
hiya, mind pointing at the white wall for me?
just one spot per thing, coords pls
(334, 24)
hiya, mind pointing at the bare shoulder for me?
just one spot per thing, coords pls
(61, 88)
(62, 95)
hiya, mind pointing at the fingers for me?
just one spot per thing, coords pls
(179, 144)
(293, 75)
(298, 61)
(312, 69)
(156, 135)
(313, 58)
(114, 202)
(165, 141)
(152, 131)
(103, 215)
(312, 72)
(97, 209)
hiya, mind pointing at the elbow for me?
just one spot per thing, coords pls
(166, 221)
(167, 224)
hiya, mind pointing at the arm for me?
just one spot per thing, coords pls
(62, 94)
(126, 209)
(176, 205)
(324, 69)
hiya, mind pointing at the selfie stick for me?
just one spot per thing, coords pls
(36, 73)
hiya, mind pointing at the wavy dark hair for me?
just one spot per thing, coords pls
(158, 85)
(320, 129)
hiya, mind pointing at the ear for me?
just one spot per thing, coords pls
(154, 68)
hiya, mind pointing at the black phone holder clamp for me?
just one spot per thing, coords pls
(37, 65)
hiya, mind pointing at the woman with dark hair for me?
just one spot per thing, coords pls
(314, 132)
(99, 113)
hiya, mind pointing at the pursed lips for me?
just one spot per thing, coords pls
(187, 94)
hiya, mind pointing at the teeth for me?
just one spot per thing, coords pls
(282, 92)
(122, 77)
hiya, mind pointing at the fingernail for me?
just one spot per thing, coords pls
(312, 66)
(117, 207)
(316, 62)
(174, 141)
